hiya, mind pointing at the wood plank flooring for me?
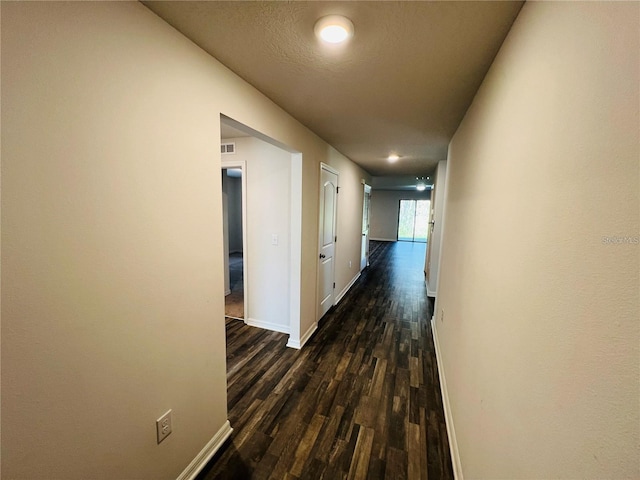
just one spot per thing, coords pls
(360, 401)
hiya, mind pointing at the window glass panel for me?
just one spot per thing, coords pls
(406, 220)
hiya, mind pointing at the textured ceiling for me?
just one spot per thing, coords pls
(402, 84)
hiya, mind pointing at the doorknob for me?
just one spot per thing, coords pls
(322, 256)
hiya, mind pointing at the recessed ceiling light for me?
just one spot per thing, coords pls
(334, 29)
(393, 158)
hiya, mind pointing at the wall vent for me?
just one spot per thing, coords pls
(227, 148)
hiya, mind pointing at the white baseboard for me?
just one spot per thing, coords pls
(307, 335)
(227, 292)
(346, 289)
(430, 292)
(384, 239)
(276, 327)
(209, 450)
(451, 431)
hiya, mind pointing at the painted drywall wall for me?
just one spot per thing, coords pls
(229, 213)
(112, 245)
(268, 178)
(225, 237)
(385, 208)
(234, 190)
(432, 260)
(540, 337)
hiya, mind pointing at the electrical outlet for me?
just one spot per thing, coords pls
(442, 315)
(163, 426)
(349, 263)
(274, 239)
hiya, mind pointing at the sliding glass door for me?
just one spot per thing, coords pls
(413, 221)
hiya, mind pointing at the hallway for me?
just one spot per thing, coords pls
(360, 400)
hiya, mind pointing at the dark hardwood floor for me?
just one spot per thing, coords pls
(361, 400)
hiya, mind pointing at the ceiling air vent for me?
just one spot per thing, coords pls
(228, 148)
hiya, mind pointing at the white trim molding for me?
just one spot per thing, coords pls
(209, 450)
(430, 293)
(451, 431)
(328, 167)
(295, 247)
(276, 327)
(383, 239)
(347, 288)
(305, 338)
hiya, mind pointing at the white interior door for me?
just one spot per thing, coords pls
(327, 238)
(364, 255)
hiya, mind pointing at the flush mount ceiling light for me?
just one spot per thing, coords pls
(334, 29)
(393, 158)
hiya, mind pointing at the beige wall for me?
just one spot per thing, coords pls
(540, 337)
(385, 208)
(112, 255)
(234, 186)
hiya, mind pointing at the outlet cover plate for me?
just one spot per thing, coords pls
(163, 426)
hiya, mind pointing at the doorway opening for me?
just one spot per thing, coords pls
(413, 220)
(366, 218)
(262, 184)
(232, 188)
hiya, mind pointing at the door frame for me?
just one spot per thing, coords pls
(297, 337)
(432, 222)
(242, 165)
(365, 212)
(330, 169)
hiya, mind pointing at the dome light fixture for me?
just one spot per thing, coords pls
(393, 158)
(334, 29)
(421, 186)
